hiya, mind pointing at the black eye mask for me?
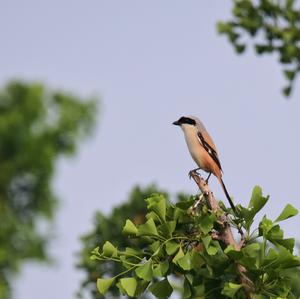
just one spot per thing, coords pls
(187, 120)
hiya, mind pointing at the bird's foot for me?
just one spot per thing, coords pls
(193, 171)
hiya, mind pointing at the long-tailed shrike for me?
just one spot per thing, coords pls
(202, 149)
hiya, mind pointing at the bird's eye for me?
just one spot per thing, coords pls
(190, 121)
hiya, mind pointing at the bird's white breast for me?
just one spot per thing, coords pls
(193, 143)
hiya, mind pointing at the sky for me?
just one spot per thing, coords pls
(149, 62)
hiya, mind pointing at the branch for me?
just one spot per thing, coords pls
(225, 234)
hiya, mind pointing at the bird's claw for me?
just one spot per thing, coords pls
(193, 172)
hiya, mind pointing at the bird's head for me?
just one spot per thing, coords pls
(185, 120)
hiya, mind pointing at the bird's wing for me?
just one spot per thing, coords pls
(209, 146)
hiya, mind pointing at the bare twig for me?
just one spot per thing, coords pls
(225, 234)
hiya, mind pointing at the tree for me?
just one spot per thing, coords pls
(37, 126)
(196, 243)
(275, 28)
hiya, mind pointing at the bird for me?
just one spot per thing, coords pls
(202, 149)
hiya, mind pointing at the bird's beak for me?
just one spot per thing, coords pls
(176, 123)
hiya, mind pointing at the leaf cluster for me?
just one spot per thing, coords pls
(179, 243)
(275, 27)
(109, 228)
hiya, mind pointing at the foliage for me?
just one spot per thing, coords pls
(37, 126)
(180, 243)
(109, 228)
(275, 28)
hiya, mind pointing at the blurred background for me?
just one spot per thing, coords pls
(88, 94)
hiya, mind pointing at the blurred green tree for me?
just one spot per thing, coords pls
(275, 28)
(37, 126)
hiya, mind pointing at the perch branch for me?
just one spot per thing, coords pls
(225, 234)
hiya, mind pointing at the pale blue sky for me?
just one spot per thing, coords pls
(151, 62)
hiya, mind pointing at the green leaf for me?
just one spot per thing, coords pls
(185, 204)
(166, 229)
(209, 245)
(103, 284)
(148, 229)
(181, 216)
(256, 203)
(157, 204)
(270, 258)
(109, 249)
(281, 258)
(141, 287)
(154, 247)
(207, 223)
(251, 249)
(197, 261)
(125, 259)
(288, 211)
(251, 256)
(172, 247)
(239, 48)
(187, 293)
(161, 289)
(199, 291)
(233, 253)
(257, 200)
(287, 90)
(290, 75)
(212, 250)
(224, 27)
(230, 289)
(132, 251)
(145, 271)
(129, 285)
(275, 233)
(178, 255)
(287, 243)
(184, 262)
(260, 49)
(96, 251)
(161, 269)
(94, 257)
(265, 226)
(129, 228)
(122, 291)
(154, 216)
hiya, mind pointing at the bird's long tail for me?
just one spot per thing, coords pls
(227, 195)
